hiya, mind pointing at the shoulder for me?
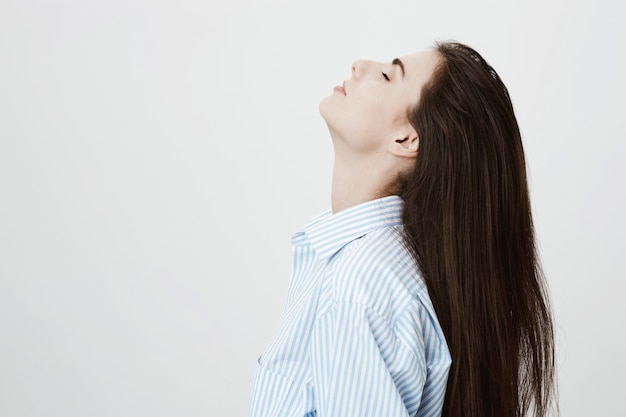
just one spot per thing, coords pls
(377, 270)
(378, 273)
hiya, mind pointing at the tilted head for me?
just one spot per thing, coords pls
(367, 115)
(387, 111)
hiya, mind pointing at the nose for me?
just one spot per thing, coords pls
(358, 68)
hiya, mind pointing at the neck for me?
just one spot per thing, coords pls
(355, 181)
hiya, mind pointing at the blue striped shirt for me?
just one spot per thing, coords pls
(359, 336)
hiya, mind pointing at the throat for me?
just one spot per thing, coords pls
(355, 182)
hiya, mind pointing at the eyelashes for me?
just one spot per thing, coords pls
(385, 76)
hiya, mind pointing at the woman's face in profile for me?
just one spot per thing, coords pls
(371, 107)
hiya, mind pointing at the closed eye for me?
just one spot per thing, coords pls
(385, 76)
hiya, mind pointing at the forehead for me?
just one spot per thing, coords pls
(420, 65)
(419, 68)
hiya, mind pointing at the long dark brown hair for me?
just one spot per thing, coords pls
(467, 219)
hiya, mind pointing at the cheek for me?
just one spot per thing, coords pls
(362, 122)
(369, 112)
(363, 131)
(352, 116)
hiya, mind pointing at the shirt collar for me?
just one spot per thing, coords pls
(328, 232)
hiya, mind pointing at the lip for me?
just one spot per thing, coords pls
(341, 88)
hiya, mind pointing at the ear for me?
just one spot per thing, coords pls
(405, 144)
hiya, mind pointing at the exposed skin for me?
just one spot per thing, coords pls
(372, 137)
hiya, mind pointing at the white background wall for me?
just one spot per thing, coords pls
(155, 158)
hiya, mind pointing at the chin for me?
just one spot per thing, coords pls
(324, 107)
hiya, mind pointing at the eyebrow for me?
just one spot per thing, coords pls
(396, 61)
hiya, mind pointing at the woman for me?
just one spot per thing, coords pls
(419, 293)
